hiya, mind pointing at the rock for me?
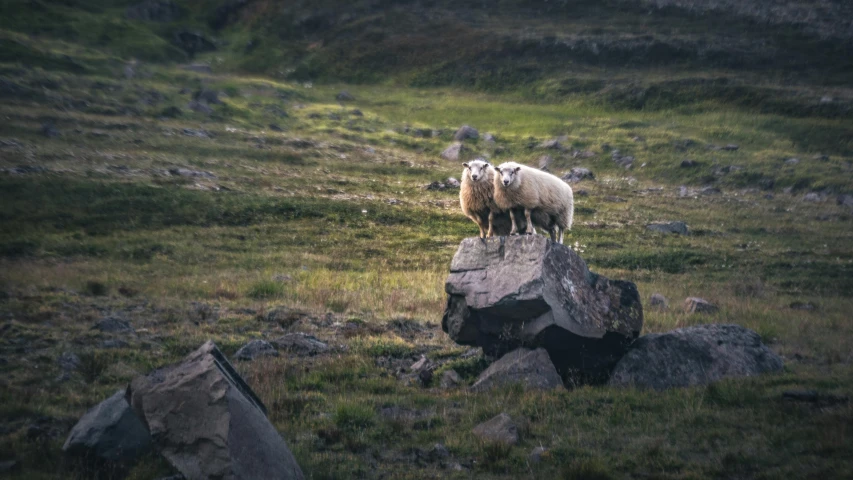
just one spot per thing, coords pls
(506, 292)
(710, 191)
(186, 172)
(813, 396)
(356, 113)
(452, 182)
(490, 139)
(585, 154)
(344, 96)
(285, 317)
(465, 132)
(813, 197)
(536, 454)
(68, 361)
(730, 147)
(206, 421)
(422, 364)
(499, 429)
(207, 95)
(276, 127)
(694, 356)
(114, 343)
(532, 369)
(614, 199)
(438, 452)
(699, 305)
(450, 379)
(552, 144)
(189, 132)
(200, 107)
(669, 227)
(9, 466)
(792, 161)
(689, 163)
(154, 11)
(576, 174)
(193, 42)
(453, 152)
(658, 301)
(110, 431)
(113, 325)
(171, 112)
(49, 130)
(256, 349)
(821, 157)
(805, 306)
(625, 162)
(845, 200)
(301, 344)
(545, 161)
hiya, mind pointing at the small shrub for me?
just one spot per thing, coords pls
(94, 364)
(383, 347)
(265, 289)
(585, 469)
(350, 416)
(95, 288)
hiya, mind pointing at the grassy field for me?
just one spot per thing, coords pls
(118, 200)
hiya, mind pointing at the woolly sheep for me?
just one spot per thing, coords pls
(518, 185)
(476, 200)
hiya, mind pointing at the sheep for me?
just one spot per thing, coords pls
(534, 190)
(475, 198)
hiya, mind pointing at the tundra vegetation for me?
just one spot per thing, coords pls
(250, 202)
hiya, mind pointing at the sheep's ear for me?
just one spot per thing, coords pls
(517, 169)
(488, 165)
(465, 165)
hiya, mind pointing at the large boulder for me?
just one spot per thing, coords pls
(532, 369)
(694, 356)
(506, 292)
(498, 429)
(110, 431)
(208, 423)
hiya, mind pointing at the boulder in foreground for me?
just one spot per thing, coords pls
(694, 356)
(110, 431)
(507, 292)
(532, 369)
(208, 423)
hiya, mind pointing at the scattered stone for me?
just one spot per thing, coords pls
(453, 152)
(163, 11)
(206, 421)
(730, 147)
(113, 325)
(689, 163)
(207, 96)
(625, 162)
(805, 306)
(285, 317)
(506, 292)
(699, 305)
(584, 154)
(172, 112)
(845, 200)
(49, 130)
(532, 369)
(394, 201)
(9, 142)
(193, 42)
(450, 379)
(813, 197)
(68, 361)
(658, 301)
(490, 139)
(679, 228)
(114, 343)
(820, 157)
(683, 192)
(465, 132)
(356, 113)
(545, 161)
(301, 344)
(344, 96)
(438, 452)
(452, 182)
(576, 174)
(552, 144)
(189, 132)
(685, 144)
(499, 429)
(256, 349)
(110, 431)
(201, 312)
(694, 356)
(792, 161)
(614, 199)
(536, 454)
(276, 127)
(710, 191)
(813, 396)
(186, 172)
(638, 138)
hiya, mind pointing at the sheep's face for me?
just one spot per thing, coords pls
(478, 170)
(508, 175)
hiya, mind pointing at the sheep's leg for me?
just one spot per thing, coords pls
(491, 224)
(531, 230)
(514, 230)
(562, 231)
(476, 219)
(553, 232)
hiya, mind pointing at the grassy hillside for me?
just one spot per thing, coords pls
(280, 209)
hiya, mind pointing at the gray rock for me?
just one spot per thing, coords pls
(438, 452)
(585, 154)
(792, 161)
(552, 144)
(285, 317)
(710, 191)
(506, 292)
(208, 423)
(193, 42)
(499, 429)
(450, 379)
(208, 96)
(114, 343)
(536, 454)
(545, 161)
(154, 11)
(453, 152)
(49, 130)
(200, 133)
(658, 301)
(845, 200)
(256, 349)
(694, 356)
(452, 182)
(490, 139)
(689, 163)
(344, 96)
(699, 305)
(356, 112)
(113, 325)
(68, 361)
(669, 227)
(576, 174)
(465, 132)
(813, 197)
(532, 369)
(200, 107)
(110, 431)
(186, 172)
(301, 344)
(625, 162)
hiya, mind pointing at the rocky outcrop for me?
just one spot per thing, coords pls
(208, 423)
(465, 132)
(499, 429)
(110, 431)
(669, 227)
(532, 369)
(507, 292)
(453, 152)
(694, 356)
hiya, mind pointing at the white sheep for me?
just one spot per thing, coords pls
(535, 191)
(477, 202)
